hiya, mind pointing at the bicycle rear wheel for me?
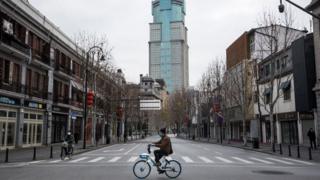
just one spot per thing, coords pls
(141, 169)
(173, 169)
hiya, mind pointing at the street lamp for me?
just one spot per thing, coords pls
(102, 58)
(281, 8)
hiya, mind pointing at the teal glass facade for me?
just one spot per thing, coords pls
(165, 12)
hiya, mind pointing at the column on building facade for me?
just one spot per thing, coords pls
(48, 123)
(20, 119)
(300, 131)
(264, 132)
(278, 130)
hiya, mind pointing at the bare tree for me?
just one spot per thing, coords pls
(275, 35)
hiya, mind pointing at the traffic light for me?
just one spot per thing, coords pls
(90, 97)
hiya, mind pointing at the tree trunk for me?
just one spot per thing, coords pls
(271, 125)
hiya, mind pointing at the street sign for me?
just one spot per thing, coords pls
(150, 105)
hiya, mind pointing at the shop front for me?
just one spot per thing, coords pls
(9, 108)
(59, 123)
(33, 124)
(289, 128)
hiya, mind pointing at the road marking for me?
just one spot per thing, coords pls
(56, 161)
(218, 152)
(206, 160)
(111, 150)
(35, 162)
(133, 159)
(223, 159)
(96, 159)
(187, 159)
(243, 160)
(277, 160)
(77, 160)
(131, 149)
(169, 158)
(115, 159)
(302, 162)
(260, 160)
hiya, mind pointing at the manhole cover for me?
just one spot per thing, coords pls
(269, 172)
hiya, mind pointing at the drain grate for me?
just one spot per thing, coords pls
(269, 172)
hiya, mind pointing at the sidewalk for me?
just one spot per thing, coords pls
(267, 148)
(43, 152)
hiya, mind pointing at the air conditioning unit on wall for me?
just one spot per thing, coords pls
(7, 27)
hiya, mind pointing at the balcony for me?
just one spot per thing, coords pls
(63, 69)
(77, 104)
(61, 99)
(34, 92)
(12, 86)
(11, 41)
(42, 57)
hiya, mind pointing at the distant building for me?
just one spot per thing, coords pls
(168, 48)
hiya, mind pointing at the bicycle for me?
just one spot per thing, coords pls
(142, 168)
(66, 150)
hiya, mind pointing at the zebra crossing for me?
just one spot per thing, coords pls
(188, 160)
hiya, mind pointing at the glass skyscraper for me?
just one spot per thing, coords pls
(168, 48)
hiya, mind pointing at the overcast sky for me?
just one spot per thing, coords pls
(213, 25)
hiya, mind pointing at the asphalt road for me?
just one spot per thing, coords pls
(200, 161)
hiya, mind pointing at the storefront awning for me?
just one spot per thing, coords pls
(267, 91)
(285, 86)
(77, 85)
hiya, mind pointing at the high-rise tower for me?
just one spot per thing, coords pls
(168, 48)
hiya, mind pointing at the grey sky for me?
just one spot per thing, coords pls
(213, 25)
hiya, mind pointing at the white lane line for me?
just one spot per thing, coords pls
(278, 160)
(131, 149)
(224, 160)
(96, 159)
(206, 160)
(187, 159)
(56, 161)
(260, 160)
(111, 150)
(298, 161)
(99, 150)
(218, 152)
(35, 162)
(115, 159)
(133, 159)
(243, 160)
(77, 160)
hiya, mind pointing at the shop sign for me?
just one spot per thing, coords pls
(287, 116)
(306, 116)
(10, 101)
(60, 109)
(35, 105)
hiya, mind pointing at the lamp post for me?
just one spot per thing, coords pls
(209, 107)
(281, 8)
(86, 90)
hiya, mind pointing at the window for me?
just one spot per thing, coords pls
(268, 98)
(3, 113)
(12, 114)
(26, 116)
(267, 71)
(16, 73)
(40, 117)
(6, 75)
(255, 97)
(286, 89)
(33, 116)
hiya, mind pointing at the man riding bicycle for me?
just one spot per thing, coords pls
(69, 139)
(165, 147)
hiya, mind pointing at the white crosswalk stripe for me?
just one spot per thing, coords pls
(187, 159)
(280, 161)
(169, 158)
(242, 160)
(261, 160)
(78, 160)
(298, 161)
(55, 161)
(223, 159)
(115, 159)
(206, 160)
(133, 159)
(96, 159)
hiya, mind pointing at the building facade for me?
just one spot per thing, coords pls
(286, 79)
(41, 84)
(168, 47)
(315, 8)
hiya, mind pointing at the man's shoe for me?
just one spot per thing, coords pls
(161, 171)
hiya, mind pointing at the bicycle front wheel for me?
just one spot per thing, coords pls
(173, 169)
(141, 169)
